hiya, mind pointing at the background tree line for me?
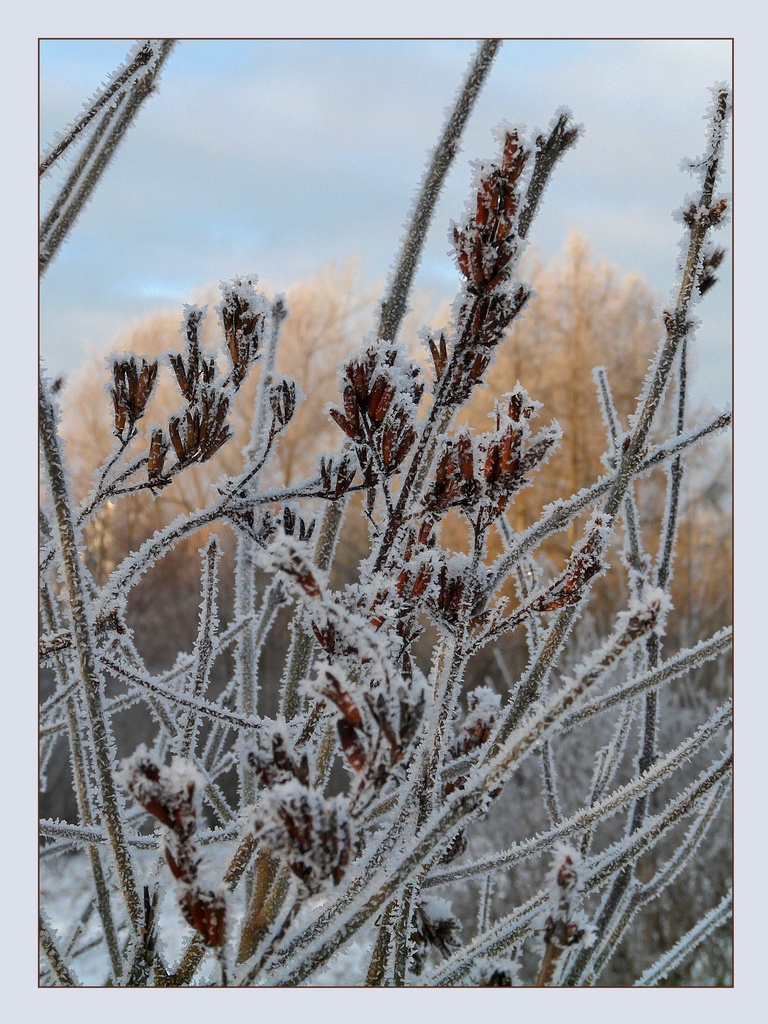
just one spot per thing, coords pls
(584, 313)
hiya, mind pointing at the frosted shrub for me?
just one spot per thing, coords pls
(344, 838)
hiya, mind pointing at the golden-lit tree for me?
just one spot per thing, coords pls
(584, 314)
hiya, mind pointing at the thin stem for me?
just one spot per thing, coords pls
(255, 923)
(549, 778)
(399, 286)
(402, 935)
(201, 707)
(676, 666)
(91, 678)
(689, 942)
(205, 640)
(246, 654)
(141, 59)
(381, 955)
(81, 787)
(77, 190)
(639, 895)
(55, 958)
(303, 639)
(80, 776)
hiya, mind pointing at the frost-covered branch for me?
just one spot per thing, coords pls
(106, 122)
(586, 817)
(687, 945)
(673, 668)
(399, 286)
(91, 679)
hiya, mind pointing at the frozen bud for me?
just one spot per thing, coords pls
(380, 399)
(585, 562)
(349, 423)
(326, 637)
(289, 519)
(275, 761)
(206, 912)
(337, 474)
(433, 926)
(458, 844)
(312, 834)
(335, 691)
(187, 370)
(292, 560)
(514, 156)
(131, 390)
(158, 449)
(397, 438)
(167, 793)
(483, 707)
(566, 875)
(282, 398)
(263, 522)
(494, 974)
(439, 354)
(713, 257)
(214, 428)
(203, 429)
(242, 312)
(191, 325)
(450, 593)
(466, 456)
(170, 794)
(426, 534)
(565, 925)
(354, 744)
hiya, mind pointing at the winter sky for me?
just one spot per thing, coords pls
(277, 157)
